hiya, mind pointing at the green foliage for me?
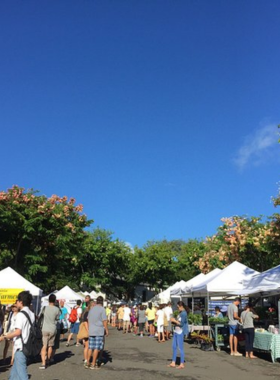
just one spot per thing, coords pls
(195, 319)
(218, 320)
(106, 262)
(47, 241)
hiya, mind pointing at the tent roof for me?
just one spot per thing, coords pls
(194, 281)
(201, 280)
(228, 281)
(68, 294)
(10, 279)
(265, 282)
(179, 287)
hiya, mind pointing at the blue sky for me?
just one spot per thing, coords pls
(160, 117)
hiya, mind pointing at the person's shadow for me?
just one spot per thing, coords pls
(61, 356)
(106, 357)
(5, 365)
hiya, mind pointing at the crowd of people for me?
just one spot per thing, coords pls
(87, 325)
(88, 328)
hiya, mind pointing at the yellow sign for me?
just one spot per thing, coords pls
(9, 296)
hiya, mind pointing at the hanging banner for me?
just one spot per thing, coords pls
(9, 296)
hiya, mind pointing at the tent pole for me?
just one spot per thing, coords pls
(208, 313)
(192, 303)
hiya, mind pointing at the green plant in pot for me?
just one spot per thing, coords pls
(218, 320)
(195, 319)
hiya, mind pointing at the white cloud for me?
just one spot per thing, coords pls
(258, 147)
(129, 245)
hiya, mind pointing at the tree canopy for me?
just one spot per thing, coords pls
(49, 241)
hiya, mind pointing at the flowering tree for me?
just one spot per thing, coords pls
(41, 237)
(247, 240)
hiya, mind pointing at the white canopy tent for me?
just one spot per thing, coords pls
(179, 289)
(68, 295)
(265, 283)
(164, 297)
(10, 279)
(65, 294)
(198, 281)
(229, 281)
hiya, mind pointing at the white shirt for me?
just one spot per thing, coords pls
(23, 324)
(79, 313)
(126, 314)
(160, 317)
(13, 322)
(168, 312)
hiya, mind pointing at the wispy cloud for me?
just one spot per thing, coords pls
(258, 147)
(170, 184)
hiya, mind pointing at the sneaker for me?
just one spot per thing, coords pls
(94, 367)
(42, 367)
(237, 354)
(67, 344)
(86, 366)
(77, 344)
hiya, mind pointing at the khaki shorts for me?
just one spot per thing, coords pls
(48, 339)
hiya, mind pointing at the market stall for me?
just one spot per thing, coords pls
(12, 283)
(225, 283)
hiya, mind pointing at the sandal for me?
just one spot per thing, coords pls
(181, 366)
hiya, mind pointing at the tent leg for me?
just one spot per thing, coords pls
(208, 314)
(192, 303)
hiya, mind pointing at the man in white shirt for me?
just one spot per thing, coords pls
(21, 333)
(126, 318)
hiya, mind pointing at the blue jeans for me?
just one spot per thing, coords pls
(19, 368)
(178, 342)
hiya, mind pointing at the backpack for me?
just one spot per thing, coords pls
(34, 344)
(73, 315)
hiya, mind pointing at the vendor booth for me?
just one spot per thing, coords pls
(12, 283)
(263, 285)
(65, 294)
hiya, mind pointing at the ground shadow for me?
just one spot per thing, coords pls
(61, 356)
(106, 357)
(5, 365)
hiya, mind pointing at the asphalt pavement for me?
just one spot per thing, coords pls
(129, 357)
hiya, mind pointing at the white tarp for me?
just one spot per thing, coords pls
(229, 281)
(201, 281)
(179, 289)
(265, 282)
(164, 296)
(175, 290)
(68, 295)
(10, 279)
(65, 294)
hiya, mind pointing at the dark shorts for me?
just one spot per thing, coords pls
(151, 321)
(141, 326)
(233, 329)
